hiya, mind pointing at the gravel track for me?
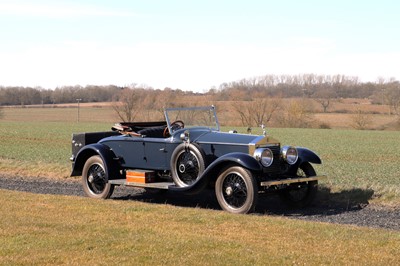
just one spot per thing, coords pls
(353, 213)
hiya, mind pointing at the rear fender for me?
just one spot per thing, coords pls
(235, 158)
(111, 162)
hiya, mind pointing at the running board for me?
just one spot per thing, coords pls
(292, 180)
(158, 185)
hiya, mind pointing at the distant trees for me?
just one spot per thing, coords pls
(90, 93)
(323, 88)
(306, 85)
(67, 94)
(289, 86)
(18, 96)
(255, 101)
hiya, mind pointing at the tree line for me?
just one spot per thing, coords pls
(66, 94)
(308, 86)
(321, 87)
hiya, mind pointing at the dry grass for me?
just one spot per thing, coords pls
(34, 169)
(49, 230)
(103, 112)
(86, 114)
(345, 121)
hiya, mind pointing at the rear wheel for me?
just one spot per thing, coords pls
(236, 190)
(299, 195)
(94, 179)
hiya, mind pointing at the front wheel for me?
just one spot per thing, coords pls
(94, 179)
(299, 195)
(236, 190)
(187, 164)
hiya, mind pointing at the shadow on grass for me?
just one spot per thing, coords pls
(326, 203)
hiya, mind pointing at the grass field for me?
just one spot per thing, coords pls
(49, 230)
(37, 142)
(59, 230)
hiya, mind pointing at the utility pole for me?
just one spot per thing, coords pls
(78, 100)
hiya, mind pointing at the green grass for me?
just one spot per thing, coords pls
(38, 143)
(40, 148)
(352, 159)
(57, 230)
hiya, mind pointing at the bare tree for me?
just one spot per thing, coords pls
(257, 112)
(127, 105)
(392, 96)
(264, 109)
(295, 114)
(324, 98)
(242, 108)
(164, 99)
(360, 120)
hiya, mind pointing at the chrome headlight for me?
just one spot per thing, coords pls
(264, 156)
(289, 154)
(185, 135)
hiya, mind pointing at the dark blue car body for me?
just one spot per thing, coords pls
(189, 153)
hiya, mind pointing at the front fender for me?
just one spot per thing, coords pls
(234, 158)
(107, 155)
(242, 159)
(307, 155)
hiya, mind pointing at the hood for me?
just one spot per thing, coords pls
(217, 137)
(223, 137)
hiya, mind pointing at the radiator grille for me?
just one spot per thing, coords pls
(276, 165)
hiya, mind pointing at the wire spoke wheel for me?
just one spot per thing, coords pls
(236, 190)
(187, 164)
(187, 167)
(94, 179)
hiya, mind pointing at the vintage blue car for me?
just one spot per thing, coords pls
(188, 153)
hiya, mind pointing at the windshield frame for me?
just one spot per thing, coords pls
(205, 109)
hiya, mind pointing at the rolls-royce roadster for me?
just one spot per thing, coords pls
(188, 153)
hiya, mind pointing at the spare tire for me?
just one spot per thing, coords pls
(187, 164)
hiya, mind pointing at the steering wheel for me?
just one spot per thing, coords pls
(178, 124)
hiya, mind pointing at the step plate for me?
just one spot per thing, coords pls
(123, 182)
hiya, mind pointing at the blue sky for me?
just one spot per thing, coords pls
(194, 45)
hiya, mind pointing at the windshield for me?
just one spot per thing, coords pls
(193, 117)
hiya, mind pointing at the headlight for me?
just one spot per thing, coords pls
(185, 135)
(289, 154)
(264, 156)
